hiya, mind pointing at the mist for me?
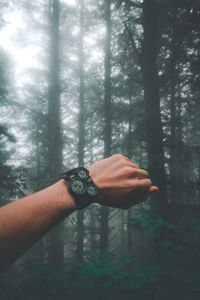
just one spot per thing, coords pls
(81, 81)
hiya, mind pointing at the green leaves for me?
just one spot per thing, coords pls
(108, 276)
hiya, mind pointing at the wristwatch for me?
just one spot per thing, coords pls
(81, 186)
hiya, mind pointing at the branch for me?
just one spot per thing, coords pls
(95, 92)
(24, 106)
(135, 4)
(132, 41)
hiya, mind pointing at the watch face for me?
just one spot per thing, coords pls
(77, 186)
(82, 173)
(92, 190)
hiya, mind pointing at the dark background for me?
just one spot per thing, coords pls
(82, 80)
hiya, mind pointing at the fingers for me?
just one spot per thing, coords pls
(120, 156)
(144, 185)
(140, 174)
(137, 172)
(126, 158)
(146, 189)
(132, 165)
(152, 189)
(140, 193)
(143, 190)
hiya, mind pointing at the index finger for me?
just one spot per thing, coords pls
(144, 184)
(132, 165)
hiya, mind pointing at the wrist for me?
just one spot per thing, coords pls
(65, 198)
(80, 186)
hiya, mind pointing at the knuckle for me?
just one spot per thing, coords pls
(130, 171)
(145, 173)
(118, 156)
(142, 172)
(130, 184)
(149, 182)
(135, 166)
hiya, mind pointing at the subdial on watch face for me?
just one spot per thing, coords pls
(92, 190)
(77, 186)
(82, 173)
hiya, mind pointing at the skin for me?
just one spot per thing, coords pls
(122, 184)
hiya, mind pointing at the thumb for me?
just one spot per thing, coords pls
(153, 188)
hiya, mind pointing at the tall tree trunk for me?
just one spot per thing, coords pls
(198, 153)
(104, 226)
(123, 233)
(129, 154)
(56, 253)
(129, 231)
(175, 136)
(155, 148)
(80, 214)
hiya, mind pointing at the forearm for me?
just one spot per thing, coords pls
(24, 221)
(121, 184)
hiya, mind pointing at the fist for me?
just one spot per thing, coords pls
(121, 183)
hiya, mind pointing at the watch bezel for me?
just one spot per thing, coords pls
(84, 170)
(93, 185)
(81, 180)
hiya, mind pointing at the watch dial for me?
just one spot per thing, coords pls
(92, 190)
(77, 186)
(82, 173)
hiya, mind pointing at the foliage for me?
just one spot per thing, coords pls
(10, 178)
(174, 274)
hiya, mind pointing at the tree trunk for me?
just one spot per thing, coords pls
(80, 214)
(104, 226)
(175, 136)
(56, 253)
(129, 154)
(155, 148)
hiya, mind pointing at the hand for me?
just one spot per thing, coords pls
(122, 183)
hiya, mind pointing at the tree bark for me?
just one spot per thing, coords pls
(104, 226)
(129, 154)
(175, 124)
(129, 231)
(80, 214)
(155, 147)
(56, 252)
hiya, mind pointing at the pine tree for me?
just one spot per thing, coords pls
(8, 178)
(154, 130)
(56, 254)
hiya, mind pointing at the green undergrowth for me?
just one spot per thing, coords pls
(173, 274)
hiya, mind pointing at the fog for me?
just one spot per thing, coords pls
(81, 81)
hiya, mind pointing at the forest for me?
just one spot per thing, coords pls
(81, 80)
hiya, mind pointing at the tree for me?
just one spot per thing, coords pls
(9, 181)
(104, 228)
(154, 131)
(80, 214)
(56, 254)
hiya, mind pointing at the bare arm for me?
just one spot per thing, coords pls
(122, 184)
(24, 221)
